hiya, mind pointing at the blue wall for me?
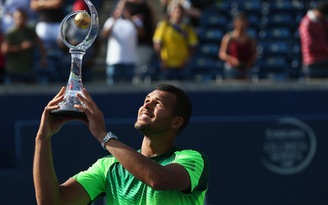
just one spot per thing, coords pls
(265, 146)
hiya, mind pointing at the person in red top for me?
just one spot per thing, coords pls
(238, 50)
(313, 30)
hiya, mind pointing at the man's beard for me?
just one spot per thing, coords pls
(145, 129)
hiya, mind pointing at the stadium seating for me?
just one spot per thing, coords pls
(276, 33)
(280, 20)
(209, 49)
(214, 20)
(274, 25)
(274, 67)
(207, 35)
(206, 69)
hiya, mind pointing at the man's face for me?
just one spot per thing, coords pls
(176, 14)
(19, 18)
(155, 116)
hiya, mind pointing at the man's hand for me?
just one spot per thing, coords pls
(95, 118)
(50, 124)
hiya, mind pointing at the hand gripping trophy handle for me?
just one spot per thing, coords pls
(74, 84)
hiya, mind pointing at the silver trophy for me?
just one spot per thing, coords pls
(82, 21)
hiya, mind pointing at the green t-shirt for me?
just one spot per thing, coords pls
(108, 176)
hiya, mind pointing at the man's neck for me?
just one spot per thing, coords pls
(154, 147)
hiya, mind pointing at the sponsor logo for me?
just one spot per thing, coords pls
(289, 146)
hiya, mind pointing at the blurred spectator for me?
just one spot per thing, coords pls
(313, 30)
(7, 9)
(121, 30)
(238, 50)
(75, 36)
(143, 10)
(2, 59)
(175, 41)
(50, 14)
(18, 47)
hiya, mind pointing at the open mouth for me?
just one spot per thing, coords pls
(146, 115)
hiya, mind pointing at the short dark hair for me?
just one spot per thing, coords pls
(183, 106)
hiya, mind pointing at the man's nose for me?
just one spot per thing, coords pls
(149, 104)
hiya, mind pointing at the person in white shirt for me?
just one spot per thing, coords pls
(121, 30)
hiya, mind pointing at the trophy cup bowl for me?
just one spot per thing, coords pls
(74, 86)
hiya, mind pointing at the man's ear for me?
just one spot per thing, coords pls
(177, 122)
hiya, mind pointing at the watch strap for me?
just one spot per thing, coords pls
(108, 137)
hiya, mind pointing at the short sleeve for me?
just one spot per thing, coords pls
(94, 178)
(196, 166)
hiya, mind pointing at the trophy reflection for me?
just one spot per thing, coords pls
(82, 21)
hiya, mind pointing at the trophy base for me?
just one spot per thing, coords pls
(68, 113)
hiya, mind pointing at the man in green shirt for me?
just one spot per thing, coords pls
(158, 173)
